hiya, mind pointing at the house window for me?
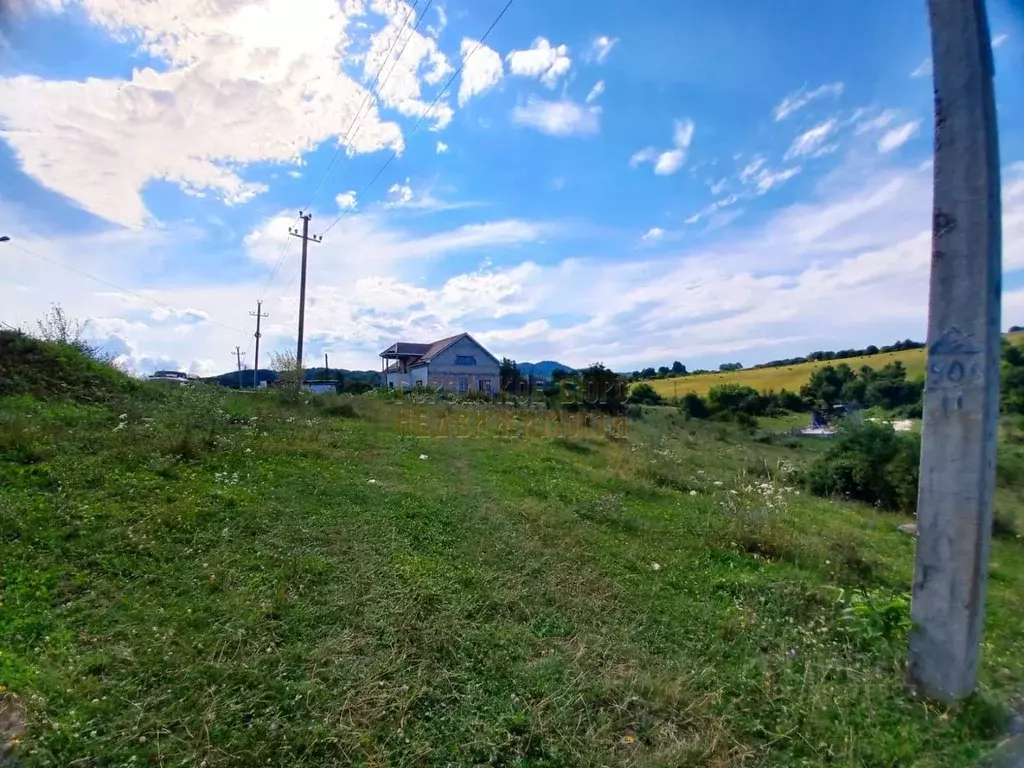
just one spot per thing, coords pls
(462, 384)
(465, 360)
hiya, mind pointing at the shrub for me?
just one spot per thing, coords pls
(737, 398)
(1004, 526)
(870, 462)
(644, 394)
(694, 406)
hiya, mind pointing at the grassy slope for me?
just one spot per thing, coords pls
(791, 377)
(493, 603)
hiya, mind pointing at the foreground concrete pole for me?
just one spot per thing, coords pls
(961, 407)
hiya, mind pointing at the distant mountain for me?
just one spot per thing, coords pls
(230, 379)
(544, 368)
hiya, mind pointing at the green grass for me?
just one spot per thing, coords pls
(192, 577)
(791, 377)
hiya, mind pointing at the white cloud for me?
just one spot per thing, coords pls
(346, 200)
(295, 174)
(421, 63)
(924, 69)
(848, 266)
(668, 161)
(810, 141)
(767, 179)
(596, 91)
(801, 98)
(244, 83)
(435, 30)
(441, 147)
(482, 70)
(998, 40)
(558, 118)
(897, 137)
(654, 233)
(878, 122)
(399, 194)
(600, 47)
(541, 60)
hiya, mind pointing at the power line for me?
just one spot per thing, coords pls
(346, 138)
(116, 287)
(369, 93)
(437, 98)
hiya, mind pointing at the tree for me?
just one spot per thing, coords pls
(644, 394)
(737, 398)
(678, 368)
(509, 375)
(730, 366)
(287, 367)
(648, 373)
(664, 371)
(825, 387)
(602, 388)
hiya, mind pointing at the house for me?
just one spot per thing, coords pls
(458, 363)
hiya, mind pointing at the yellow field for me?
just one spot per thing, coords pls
(791, 377)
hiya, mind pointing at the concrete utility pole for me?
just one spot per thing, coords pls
(306, 237)
(239, 354)
(258, 314)
(961, 405)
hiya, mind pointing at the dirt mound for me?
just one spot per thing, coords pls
(49, 370)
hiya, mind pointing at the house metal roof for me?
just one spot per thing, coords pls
(421, 354)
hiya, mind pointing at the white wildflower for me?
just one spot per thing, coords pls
(371, 481)
(719, 483)
(423, 456)
(655, 567)
(693, 493)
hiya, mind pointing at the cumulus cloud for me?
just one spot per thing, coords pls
(666, 162)
(482, 69)
(897, 137)
(399, 194)
(596, 91)
(346, 200)
(240, 84)
(801, 98)
(654, 233)
(848, 265)
(558, 118)
(441, 148)
(541, 60)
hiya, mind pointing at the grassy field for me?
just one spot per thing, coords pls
(792, 377)
(192, 577)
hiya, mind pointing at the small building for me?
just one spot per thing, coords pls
(458, 364)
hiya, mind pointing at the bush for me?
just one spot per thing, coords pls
(644, 394)
(737, 398)
(870, 462)
(694, 406)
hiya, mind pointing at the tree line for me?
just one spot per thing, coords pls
(678, 369)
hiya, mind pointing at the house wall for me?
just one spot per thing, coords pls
(401, 380)
(444, 372)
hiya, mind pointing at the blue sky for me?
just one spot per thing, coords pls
(630, 183)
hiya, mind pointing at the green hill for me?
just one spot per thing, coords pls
(45, 369)
(196, 575)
